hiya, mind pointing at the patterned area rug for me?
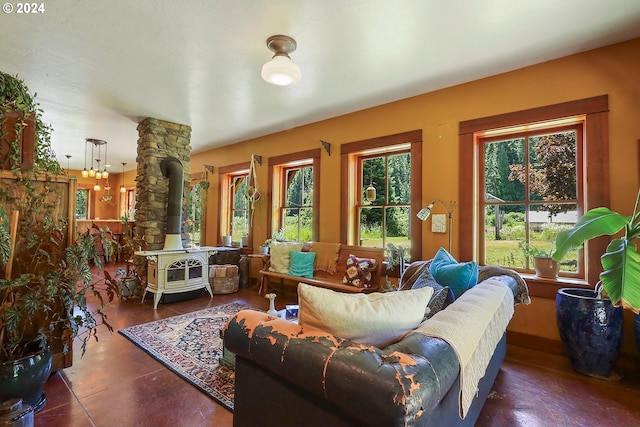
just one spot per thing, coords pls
(190, 345)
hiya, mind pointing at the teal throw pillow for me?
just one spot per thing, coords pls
(301, 263)
(458, 276)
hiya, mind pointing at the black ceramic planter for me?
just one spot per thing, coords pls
(590, 329)
(25, 378)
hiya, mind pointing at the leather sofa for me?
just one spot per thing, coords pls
(287, 375)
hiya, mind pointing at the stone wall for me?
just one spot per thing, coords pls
(158, 139)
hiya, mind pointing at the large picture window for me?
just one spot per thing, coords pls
(532, 190)
(521, 180)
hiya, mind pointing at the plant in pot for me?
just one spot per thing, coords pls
(598, 336)
(25, 140)
(45, 277)
(543, 263)
(278, 236)
(43, 299)
(127, 279)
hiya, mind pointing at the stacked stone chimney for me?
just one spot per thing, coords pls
(157, 140)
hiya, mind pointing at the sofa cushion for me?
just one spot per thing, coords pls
(459, 276)
(358, 272)
(280, 258)
(301, 263)
(376, 319)
(442, 295)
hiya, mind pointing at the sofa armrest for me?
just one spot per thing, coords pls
(395, 386)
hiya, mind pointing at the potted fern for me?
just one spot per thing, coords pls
(619, 286)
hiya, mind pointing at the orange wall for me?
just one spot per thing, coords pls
(105, 210)
(613, 70)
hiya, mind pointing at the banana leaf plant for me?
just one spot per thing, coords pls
(621, 261)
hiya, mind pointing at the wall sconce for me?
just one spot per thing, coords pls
(425, 213)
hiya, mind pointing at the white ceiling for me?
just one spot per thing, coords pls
(100, 66)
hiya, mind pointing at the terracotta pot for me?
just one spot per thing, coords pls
(545, 267)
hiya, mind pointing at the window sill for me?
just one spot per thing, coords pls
(548, 288)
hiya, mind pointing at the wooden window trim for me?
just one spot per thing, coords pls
(348, 150)
(273, 199)
(223, 193)
(596, 164)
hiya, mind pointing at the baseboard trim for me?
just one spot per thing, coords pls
(627, 363)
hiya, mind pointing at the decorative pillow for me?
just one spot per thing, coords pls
(378, 319)
(358, 271)
(301, 264)
(449, 272)
(442, 295)
(280, 258)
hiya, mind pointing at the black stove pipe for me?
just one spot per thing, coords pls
(172, 168)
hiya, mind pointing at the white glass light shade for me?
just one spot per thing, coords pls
(123, 189)
(98, 174)
(281, 71)
(92, 172)
(105, 173)
(96, 187)
(85, 173)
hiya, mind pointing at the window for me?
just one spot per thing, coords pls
(82, 202)
(384, 203)
(522, 133)
(294, 200)
(532, 191)
(392, 166)
(194, 214)
(238, 219)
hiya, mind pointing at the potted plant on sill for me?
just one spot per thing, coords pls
(543, 263)
(620, 282)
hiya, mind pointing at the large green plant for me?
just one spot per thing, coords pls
(45, 296)
(15, 95)
(620, 262)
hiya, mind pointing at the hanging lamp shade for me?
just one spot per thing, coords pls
(281, 70)
(370, 193)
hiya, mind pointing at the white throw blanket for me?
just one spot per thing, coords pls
(473, 325)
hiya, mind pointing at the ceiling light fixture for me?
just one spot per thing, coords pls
(93, 172)
(123, 189)
(281, 70)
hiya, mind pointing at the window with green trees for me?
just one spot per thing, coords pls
(296, 208)
(81, 203)
(532, 191)
(385, 218)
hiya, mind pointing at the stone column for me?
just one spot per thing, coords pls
(158, 139)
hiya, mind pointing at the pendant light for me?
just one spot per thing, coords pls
(122, 187)
(85, 172)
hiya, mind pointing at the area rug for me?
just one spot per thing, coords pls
(190, 345)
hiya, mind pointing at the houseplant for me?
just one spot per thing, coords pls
(620, 282)
(543, 263)
(20, 111)
(45, 277)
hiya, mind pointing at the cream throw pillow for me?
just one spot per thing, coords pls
(377, 319)
(280, 258)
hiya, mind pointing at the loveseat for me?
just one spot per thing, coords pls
(293, 375)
